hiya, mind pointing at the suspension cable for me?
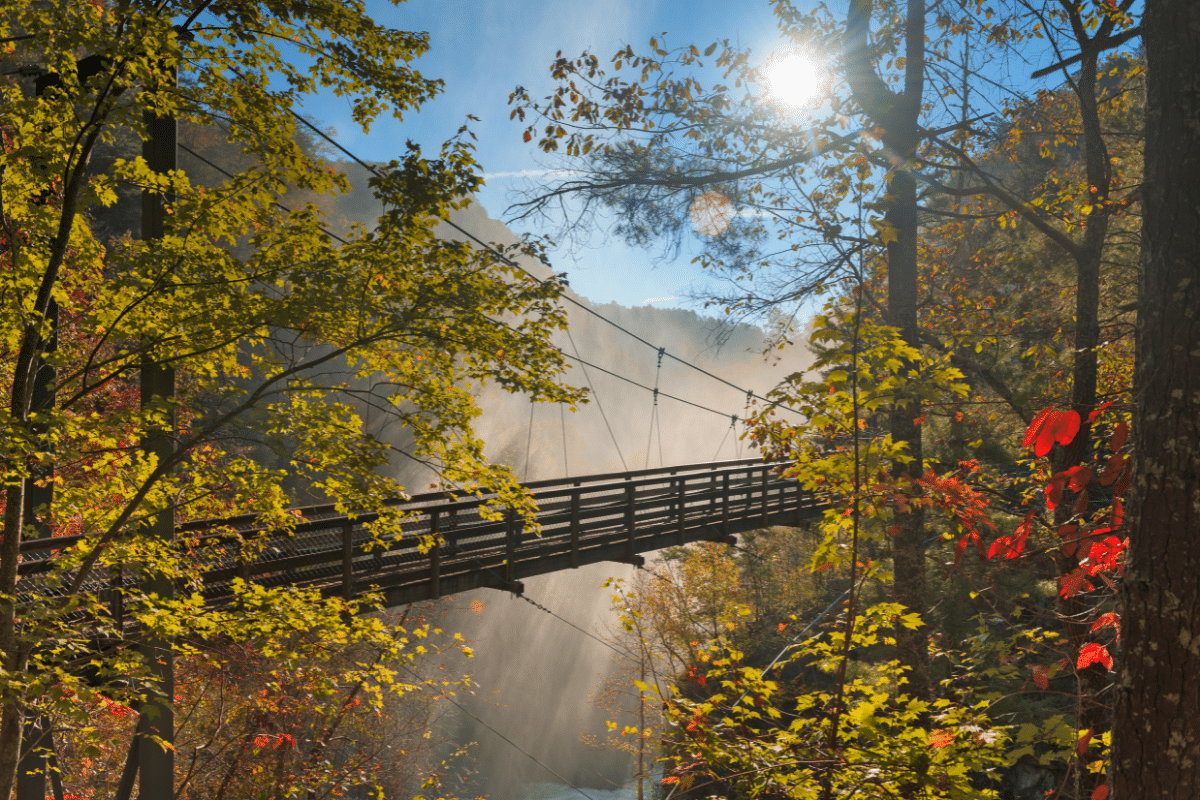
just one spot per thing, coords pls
(529, 437)
(596, 394)
(654, 412)
(732, 423)
(488, 248)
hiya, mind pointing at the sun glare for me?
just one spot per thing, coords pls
(793, 80)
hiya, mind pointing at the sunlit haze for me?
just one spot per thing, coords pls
(794, 80)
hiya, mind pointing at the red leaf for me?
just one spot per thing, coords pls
(1080, 477)
(1084, 742)
(1010, 546)
(1092, 416)
(1092, 653)
(1119, 436)
(1112, 469)
(528, 136)
(1073, 582)
(1041, 676)
(1054, 490)
(1047, 435)
(1122, 484)
(998, 546)
(1067, 427)
(1070, 534)
(1107, 619)
(1032, 431)
(1081, 503)
(1103, 555)
(1101, 792)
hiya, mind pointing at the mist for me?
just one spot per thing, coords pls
(534, 673)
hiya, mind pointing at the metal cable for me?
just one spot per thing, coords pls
(587, 378)
(514, 264)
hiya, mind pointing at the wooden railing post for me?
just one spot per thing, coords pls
(712, 501)
(680, 514)
(435, 556)
(510, 546)
(765, 472)
(725, 505)
(575, 529)
(629, 518)
(348, 560)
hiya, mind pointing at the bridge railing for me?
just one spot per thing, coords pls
(447, 545)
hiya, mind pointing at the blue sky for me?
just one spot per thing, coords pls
(482, 49)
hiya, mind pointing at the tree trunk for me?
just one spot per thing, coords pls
(1076, 612)
(901, 136)
(1156, 729)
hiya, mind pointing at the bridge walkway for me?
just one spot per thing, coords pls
(449, 545)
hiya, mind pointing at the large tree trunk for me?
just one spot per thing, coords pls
(898, 115)
(1156, 729)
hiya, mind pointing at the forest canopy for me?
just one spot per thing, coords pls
(217, 363)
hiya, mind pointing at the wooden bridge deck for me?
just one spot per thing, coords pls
(584, 520)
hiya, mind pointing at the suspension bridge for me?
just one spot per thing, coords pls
(449, 545)
(449, 542)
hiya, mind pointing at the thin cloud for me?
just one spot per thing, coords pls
(658, 299)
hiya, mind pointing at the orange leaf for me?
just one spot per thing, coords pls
(940, 738)
(1041, 676)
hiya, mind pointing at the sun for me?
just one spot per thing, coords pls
(793, 80)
